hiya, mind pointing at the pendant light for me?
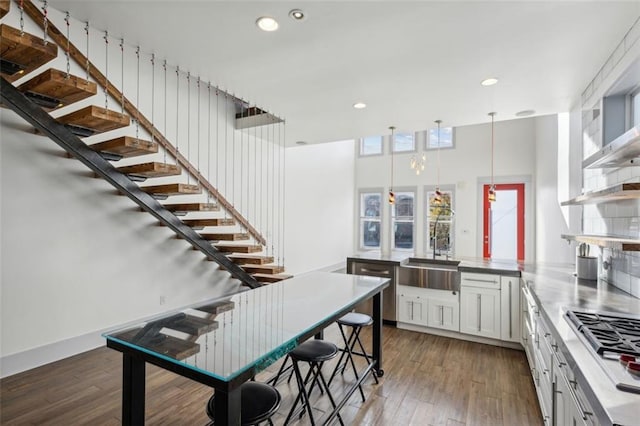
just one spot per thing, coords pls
(438, 197)
(392, 195)
(492, 189)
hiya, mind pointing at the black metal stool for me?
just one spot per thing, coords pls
(356, 321)
(315, 353)
(259, 402)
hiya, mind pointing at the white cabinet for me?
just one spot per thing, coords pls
(444, 314)
(412, 309)
(510, 309)
(429, 308)
(480, 311)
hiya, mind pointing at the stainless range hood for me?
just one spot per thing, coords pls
(621, 152)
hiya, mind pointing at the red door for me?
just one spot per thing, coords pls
(487, 218)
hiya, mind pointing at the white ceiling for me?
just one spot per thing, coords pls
(412, 62)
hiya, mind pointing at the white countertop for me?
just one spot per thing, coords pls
(556, 289)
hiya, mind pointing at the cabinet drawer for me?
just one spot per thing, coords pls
(372, 269)
(470, 279)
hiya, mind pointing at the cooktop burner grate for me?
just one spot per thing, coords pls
(608, 333)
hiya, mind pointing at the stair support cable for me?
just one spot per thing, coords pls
(56, 35)
(38, 118)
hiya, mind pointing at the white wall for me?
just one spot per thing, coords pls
(550, 220)
(78, 258)
(319, 205)
(461, 167)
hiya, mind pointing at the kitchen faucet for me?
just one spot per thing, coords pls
(435, 229)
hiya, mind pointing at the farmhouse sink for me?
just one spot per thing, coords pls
(430, 273)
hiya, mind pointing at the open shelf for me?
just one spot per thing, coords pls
(622, 191)
(609, 241)
(623, 151)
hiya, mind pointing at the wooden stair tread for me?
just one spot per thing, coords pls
(248, 259)
(201, 223)
(194, 326)
(239, 248)
(52, 89)
(126, 147)
(95, 119)
(150, 170)
(192, 207)
(224, 236)
(167, 345)
(271, 278)
(263, 269)
(172, 189)
(216, 308)
(5, 5)
(21, 54)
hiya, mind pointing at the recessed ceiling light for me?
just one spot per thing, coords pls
(525, 113)
(489, 81)
(296, 14)
(359, 105)
(267, 23)
(301, 143)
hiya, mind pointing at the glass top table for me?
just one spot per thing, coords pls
(225, 341)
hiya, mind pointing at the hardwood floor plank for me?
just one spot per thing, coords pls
(429, 380)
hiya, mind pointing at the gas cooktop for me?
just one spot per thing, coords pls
(615, 342)
(608, 333)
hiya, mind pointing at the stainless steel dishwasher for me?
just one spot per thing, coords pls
(383, 270)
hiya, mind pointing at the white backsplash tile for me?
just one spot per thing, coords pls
(635, 286)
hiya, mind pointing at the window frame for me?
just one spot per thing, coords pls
(427, 137)
(392, 145)
(362, 218)
(361, 147)
(427, 221)
(397, 191)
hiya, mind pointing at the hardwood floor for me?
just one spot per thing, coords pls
(429, 380)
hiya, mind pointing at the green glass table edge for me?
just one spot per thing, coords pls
(259, 363)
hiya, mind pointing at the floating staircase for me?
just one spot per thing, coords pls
(22, 53)
(54, 89)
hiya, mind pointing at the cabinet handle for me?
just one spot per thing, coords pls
(374, 271)
(441, 315)
(411, 310)
(478, 280)
(479, 315)
(576, 401)
(510, 322)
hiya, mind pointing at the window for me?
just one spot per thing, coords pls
(404, 142)
(370, 203)
(440, 222)
(402, 213)
(446, 138)
(371, 145)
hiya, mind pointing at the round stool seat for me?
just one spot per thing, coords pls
(355, 319)
(259, 402)
(314, 351)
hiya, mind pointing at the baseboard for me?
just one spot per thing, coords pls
(32, 358)
(460, 336)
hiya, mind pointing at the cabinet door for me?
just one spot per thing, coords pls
(443, 314)
(480, 311)
(510, 309)
(412, 309)
(561, 398)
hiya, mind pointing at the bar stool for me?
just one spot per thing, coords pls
(356, 321)
(259, 402)
(314, 352)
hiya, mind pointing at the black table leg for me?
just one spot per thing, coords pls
(377, 333)
(133, 383)
(226, 408)
(319, 335)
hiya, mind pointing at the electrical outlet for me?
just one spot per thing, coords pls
(162, 300)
